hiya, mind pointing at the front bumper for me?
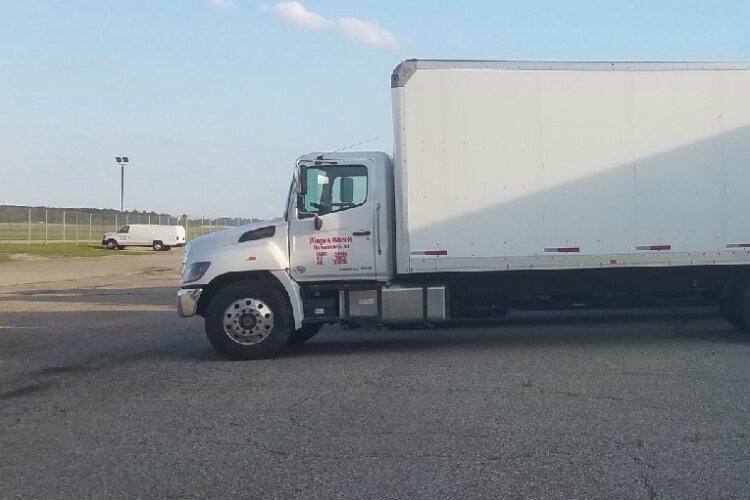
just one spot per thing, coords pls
(187, 301)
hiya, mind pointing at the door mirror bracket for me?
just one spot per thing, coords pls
(300, 180)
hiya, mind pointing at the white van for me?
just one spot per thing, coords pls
(145, 235)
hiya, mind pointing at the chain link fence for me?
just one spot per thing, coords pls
(67, 225)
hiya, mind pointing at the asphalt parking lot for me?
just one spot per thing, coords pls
(105, 393)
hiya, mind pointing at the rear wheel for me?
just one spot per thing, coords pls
(248, 320)
(305, 333)
(735, 307)
(158, 246)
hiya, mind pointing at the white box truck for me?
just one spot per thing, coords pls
(155, 236)
(510, 183)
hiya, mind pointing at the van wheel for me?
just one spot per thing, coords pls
(305, 333)
(248, 320)
(158, 246)
(111, 244)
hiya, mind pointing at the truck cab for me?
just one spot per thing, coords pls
(264, 283)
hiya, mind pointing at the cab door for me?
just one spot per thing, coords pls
(331, 230)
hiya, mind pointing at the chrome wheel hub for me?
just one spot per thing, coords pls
(248, 321)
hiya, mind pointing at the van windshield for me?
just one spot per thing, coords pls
(124, 229)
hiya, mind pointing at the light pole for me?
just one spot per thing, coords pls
(122, 160)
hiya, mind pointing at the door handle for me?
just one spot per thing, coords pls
(377, 227)
(361, 232)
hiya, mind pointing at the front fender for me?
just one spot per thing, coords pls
(278, 279)
(295, 297)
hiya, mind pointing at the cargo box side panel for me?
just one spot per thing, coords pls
(735, 157)
(587, 190)
(530, 169)
(679, 177)
(473, 151)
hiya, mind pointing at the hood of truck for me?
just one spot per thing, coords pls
(231, 236)
(258, 246)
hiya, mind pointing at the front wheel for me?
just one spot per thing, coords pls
(248, 320)
(111, 244)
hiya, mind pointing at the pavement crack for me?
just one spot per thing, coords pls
(294, 407)
(649, 487)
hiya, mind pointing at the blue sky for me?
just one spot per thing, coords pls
(214, 99)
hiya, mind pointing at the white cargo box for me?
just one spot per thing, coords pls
(504, 166)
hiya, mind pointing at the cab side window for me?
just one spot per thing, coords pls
(332, 189)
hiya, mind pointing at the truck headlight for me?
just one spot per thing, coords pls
(195, 271)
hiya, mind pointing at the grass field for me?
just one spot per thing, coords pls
(53, 232)
(23, 232)
(13, 251)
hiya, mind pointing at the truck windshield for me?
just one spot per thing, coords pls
(333, 188)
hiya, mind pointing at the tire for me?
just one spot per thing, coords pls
(257, 332)
(305, 333)
(736, 307)
(111, 244)
(157, 246)
(726, 308)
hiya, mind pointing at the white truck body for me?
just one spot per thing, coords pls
(512, 185)
(146, 235)
(506, 166)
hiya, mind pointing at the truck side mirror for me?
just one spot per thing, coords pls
(318, 223)
(347, 190)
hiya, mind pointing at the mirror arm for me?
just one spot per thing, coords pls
(301, 179)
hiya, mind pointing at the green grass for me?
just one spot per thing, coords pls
(36, 232)
(54, 250)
